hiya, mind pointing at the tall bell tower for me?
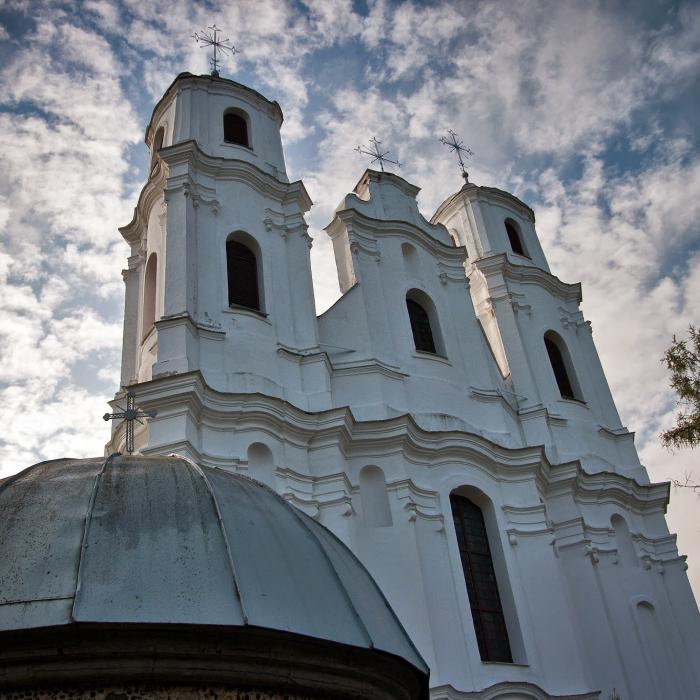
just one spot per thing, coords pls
(218, 283)
(538, 333)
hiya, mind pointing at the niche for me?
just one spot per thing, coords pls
(375, 500)
(260, 463)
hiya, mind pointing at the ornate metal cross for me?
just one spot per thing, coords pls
(377, 154)
(210, 37)
(129, 414)
(457, 146)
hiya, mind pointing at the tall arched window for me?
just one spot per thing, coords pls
(235, 129)
(563, 373)
(480, 578)
(516, 241)
(242, 267)
(149, 295)
(425, 333)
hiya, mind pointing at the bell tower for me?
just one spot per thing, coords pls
(538, 333)
(218, 283)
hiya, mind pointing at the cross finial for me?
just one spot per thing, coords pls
(129, 414)
(210, 37)
(377, 154)
(457, 146)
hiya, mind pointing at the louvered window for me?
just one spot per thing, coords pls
(420, 325)
(480, 578)
(514, 237)
(235, 129)
(559, 367)
(242, 276)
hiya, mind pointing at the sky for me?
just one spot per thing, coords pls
(587, 111)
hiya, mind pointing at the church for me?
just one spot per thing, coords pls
(424, 492)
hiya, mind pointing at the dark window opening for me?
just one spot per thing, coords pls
(235, 129)
(559, 367)
(420, 326)
(242, 276)
(514, 237)
(480, 578)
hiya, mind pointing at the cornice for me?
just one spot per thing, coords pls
(519, 689)
(528, 274)
(190, 154)
(471, 192)
(151, 192)
(364, 228)
(338, 427)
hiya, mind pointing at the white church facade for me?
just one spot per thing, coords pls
(447, 418)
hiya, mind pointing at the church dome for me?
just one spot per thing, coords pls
(152, 541)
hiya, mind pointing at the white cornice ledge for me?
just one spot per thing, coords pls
(338, 426)
(352, 219)
(524, 690)
(528, 274)
(151, 192)
(190, 154)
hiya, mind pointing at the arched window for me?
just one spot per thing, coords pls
(157, 145)
(558, 358)
(242, 267)
(480, 578)
(375, 500)
(516, 242)
(235, 129)
(425, 335)
(149, 295)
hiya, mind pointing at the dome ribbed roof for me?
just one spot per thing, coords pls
(160, 540)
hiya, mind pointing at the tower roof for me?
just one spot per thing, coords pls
(223, 82)
(160, 540)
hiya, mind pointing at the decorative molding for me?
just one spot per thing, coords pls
(507, 690)
(502, 268)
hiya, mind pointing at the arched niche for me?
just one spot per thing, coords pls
(375, 499)
(562, 366)
(150, 298)
(411, 263)
(425, 326)
(626, 554)
(480, 547)
(261, 464)
(244, 272)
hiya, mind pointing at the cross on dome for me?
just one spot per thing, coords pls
(456, 145)
(377, 154)
(129, 414)
(210, 37)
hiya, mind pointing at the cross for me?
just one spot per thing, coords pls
(129, 414)
(456, 145)
(377, 154)
(210, 37)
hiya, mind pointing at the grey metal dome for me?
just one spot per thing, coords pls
(161, 540)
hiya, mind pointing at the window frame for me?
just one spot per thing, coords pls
(236, 112)
(243, 239)
(513, 231)
(487, 651)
